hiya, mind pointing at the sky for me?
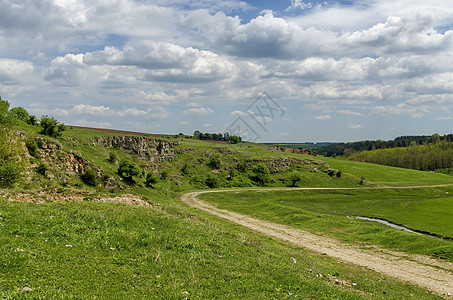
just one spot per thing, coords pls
(271, 71)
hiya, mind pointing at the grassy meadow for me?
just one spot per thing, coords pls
(92, 250)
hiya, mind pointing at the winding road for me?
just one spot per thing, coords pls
(435, 275)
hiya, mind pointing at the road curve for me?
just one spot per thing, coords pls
(436, 276)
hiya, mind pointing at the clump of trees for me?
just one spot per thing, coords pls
(233, 139)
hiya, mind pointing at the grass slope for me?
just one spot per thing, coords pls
(112, 251)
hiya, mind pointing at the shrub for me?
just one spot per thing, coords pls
(128, 170)
(151, 179)
(90, 177)
(112, 158)
(261, 174)
(32, 147)
(10, 172)
(42, 169)
(164, 175)
(215, 162)
(11, 151)
(212, 181)
(51, 127)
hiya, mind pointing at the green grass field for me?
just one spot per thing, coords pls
(325, 211)
(88, 250)
(111, 251)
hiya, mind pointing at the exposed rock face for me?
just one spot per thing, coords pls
(144, 147)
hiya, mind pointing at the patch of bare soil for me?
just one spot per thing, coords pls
(432, 274)
(71, 196)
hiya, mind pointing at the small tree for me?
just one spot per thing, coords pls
(127, 170)
(5, 118)
(51, 127)
(19, 113)
(295, 178)
(215, 162)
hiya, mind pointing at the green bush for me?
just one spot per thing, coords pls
(215, 162)
(295, 178)
(90, 177)
(261, 174)
(51, 127)
(151, 179)
(32, 147)
(10, 173)
(128, 170)
(19, 113)
(113, 158)
(42, 168)
(212, 181)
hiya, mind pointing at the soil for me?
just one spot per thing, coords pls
(424, 271)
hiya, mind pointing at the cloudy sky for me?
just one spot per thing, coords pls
(295, 70)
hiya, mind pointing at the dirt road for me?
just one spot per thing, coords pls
(436, 276)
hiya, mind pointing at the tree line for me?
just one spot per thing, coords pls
(435, 156)
(402, 141)
(233, 139)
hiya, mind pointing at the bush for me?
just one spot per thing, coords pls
(261, 174)
(51, 127)
(11, 151)
(32, 147)
(90, 177)
(151, 179)
(128, 170)
(42, 169)
(164, 175)
(112, 158)
(212, 181)
(10, 173)
(215, 162)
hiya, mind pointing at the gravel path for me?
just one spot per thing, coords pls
(435, 275)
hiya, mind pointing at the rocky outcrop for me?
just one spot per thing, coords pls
(153, 150)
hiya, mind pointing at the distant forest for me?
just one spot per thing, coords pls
(402, 141)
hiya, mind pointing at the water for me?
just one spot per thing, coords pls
(386, 223)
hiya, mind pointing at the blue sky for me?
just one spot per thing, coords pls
(283, 70)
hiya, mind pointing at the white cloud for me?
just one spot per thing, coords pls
(348, 112)
(323, 118)
(206, 125)
(237, 113)
(86, 109)
(415, 112)
(86, 123)
(13, 71)
(183, 123)
(355, 126)
(202, 111)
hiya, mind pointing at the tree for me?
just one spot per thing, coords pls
(127, 170)
(215, 162)
(295, 178)
(5, 117)
(197, 134)
(19, 113)
(51, 127)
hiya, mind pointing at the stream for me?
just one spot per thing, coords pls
(385, 223)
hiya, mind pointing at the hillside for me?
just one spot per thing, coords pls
(78, 225)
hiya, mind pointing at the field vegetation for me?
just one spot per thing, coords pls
(53, 247)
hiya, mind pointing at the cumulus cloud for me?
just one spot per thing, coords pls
(202, 111)
(86, 123)
(412, 111)
(13, 71)
(323, 117)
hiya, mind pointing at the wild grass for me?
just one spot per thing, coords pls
(88, 250)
